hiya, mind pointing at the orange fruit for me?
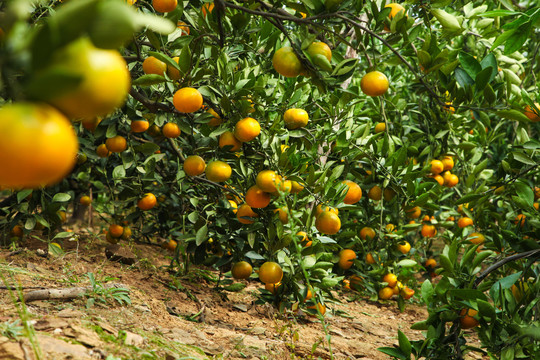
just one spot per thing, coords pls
(152, 65)
(270, 273)
(62, 216)
(520, 220)
(116, 230)
(375, 193)
(218, 171)
(450, 180)
(243, 212)
(127, 233)
(328, 222)
(105, 79)
(476, 238)
(428, 230)
(304, 238)
(241, 270)
(395, 9)
(467, 320)
(267, 180)
(187, 100)
(390, 279)
(216, 120)
(404, 247)
(171, 130)
(321, 207)
(85, 200)
(273, 288)
(194, 165)
(233, 205)
(17, 231)
(354, 192)
(406, 292)
(430, 264)
(388, 194)
(256, 198)
(413, 212)
(183, 27)
(529, 112)
(319, 48)
(247, 129)
(439, 179)
(154, 131)
(464, 222)
(172, 72)
(116, 144)
(139, 126)
(346, 258)
(37, 145)
(296, 187)
(286, 62)
(207, 8)
(437, 167)
(164, 6)
(380, 127)
(295, 118)
(374, 83)
(367, 233)
(102, 151)
(370, 259)
(147, 202)
(283, 214)
(228, 139)
(169, 245)
(386, 293)
(91, 124)
(448, 163)
(320, 307)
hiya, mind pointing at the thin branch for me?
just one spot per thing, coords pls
(151, 105)
(532, 253)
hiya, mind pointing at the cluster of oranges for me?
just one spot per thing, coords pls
(440, 171)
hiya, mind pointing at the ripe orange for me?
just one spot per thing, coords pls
(194, 165)
(386, 293)
(183, 27)
(244, 212)
(404, 247)
(17, 231)
(256, 198)
(296, 187)
(284, 185)
(520, 220)
(152, 65)
(437, 167)
(476, 238)
(367, 233)
(328, 222)
(390, 279)
(450, 180)
(380, 127)
(147, 202)
(164, 6)
(396, 8)
(91, 124)
(304, 238)
(283, 214)
(247, 129)
(286, 62)
(127, 233)
(529, 112)
(464, 222)
(448, 163)
(374, 83)
(116, 144)
(321, 207)
(207, 8)
(170, 245)
(171, 130)
(430, 264)
(187, 100)
(105, 79)
(270, 273)
(241, 270)
(216, 120)
(139, 126)
(85, 200)
(354, 192)
(295, 118)
(413, 212)
(218, 171)
(102, 151)
(467, 320)
(116, 230)
(406, 292)
(228, 139)
(233, 205)
(370, 259)
(319, 48)
(62, 216)
(375, 193)
(346, 258)
(37, 145)
(172, 72)
(320, 307)
(428, 230)
(267, 180)
(273, 288)
(439, 179)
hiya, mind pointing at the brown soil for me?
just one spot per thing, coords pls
(174, 317)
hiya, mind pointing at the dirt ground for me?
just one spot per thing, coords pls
(172, 317)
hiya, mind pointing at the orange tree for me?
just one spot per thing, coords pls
(333, 140)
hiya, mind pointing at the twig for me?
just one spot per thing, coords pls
(151, 105)
(531, 253)
(64, 294)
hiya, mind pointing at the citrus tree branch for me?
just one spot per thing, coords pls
(535, 254)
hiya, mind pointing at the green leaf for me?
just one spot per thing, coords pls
(201, 235)
(522, 158)
(149, 79)
(61, 197)
(184, 60)
(155, 23)
(486, 309)
(525, 192)
(489, 61)
(501, 39)
(236, 287)
(404, 343)
(420, 325)
(63, 235)
(517, 39)
(467, 294)
(463, 79)
(469, 63)
(468, 198)
(393, 352)
(483, 78)
(500, 12)
(513, 115)
(446, 264)
(23, 194)
(119, 172)
(407, 263)
(253, 255)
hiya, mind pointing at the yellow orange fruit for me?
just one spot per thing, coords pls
(437, 167)
(147, 202)
(228, 139)
(139, 126)
(256, 198)
(218, 171)
(531, 114)
(375, 193)
(380, 127)
(270, 273)
(354, 192)
(85, 200)
(241, 270)
(267, 180)
(244, 212)
(152, 65)
(327, 222)
(187, 100)
(194, 165)
(390, 279)
(171, 130)
(164, 6)
(286, 62)
(386, 293)
(367, 233)
(346, 258)
(295, 118)
(404, 247)
(467, 320)
(374, 83)
(116, 144)
(247, 129)
(319, 48)
(464, 222)
(476, 238)
(116, 230)
(102, 151)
